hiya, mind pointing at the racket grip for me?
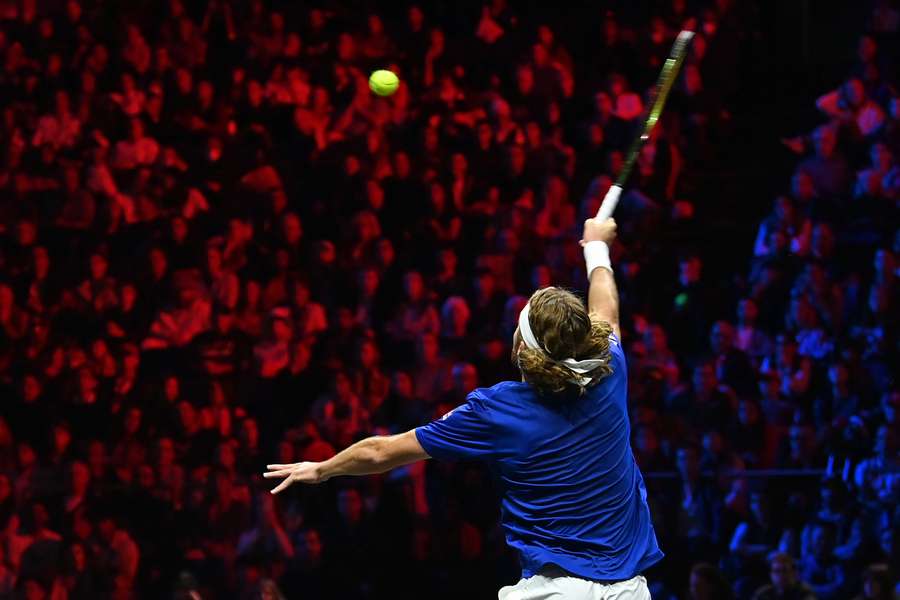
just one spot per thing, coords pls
(609, 202)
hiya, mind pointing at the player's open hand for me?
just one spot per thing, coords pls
(302, 472)
(596, 230)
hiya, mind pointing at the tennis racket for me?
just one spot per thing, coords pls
(666, 78)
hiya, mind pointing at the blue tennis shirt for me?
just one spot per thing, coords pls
(573, 495)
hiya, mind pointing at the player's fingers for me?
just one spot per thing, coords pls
(281, 486)
(282, 473)
(280, 466)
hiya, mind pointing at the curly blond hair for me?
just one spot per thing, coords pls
(562, 326)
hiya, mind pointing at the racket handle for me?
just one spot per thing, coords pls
(609, 202)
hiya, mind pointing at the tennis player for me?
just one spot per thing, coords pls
(574, 504)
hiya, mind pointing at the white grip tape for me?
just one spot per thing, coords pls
(596, 254)
(609, 202)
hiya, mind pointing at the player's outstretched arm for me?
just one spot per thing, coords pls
(372, 455)
(603, 296)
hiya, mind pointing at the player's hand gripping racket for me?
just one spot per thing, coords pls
(663, 85)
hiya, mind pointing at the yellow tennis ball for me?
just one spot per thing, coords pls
(383, 82)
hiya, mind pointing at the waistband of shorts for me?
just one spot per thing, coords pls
(552, 570)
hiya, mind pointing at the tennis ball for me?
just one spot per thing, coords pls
(383, 82)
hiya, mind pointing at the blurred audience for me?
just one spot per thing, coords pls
(219, 250)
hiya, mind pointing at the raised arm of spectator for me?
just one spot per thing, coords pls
(761, 245)
(741, 545)
(603, 296)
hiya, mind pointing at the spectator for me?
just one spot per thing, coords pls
(708, 583)
(433, 371)
(878, 583)
(267, 539)
(753, 542)
(850, 105)
(750, 338)
(698, 510)
(732, 365)
(876, 477)
(826, 167)
(786, 583)
(455, 316)
(820, 568)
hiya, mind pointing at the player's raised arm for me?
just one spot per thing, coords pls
(603, 297)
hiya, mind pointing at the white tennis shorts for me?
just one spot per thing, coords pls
(553, 586)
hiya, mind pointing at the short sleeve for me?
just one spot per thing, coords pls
(464, 433)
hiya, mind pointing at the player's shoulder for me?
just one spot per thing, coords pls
(501, 402)
(499, 393)
(504, 387)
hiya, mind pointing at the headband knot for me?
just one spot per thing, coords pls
(580, 367)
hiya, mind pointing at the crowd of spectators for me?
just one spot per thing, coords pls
(220, 250)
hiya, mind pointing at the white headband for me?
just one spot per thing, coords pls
(578, 366)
